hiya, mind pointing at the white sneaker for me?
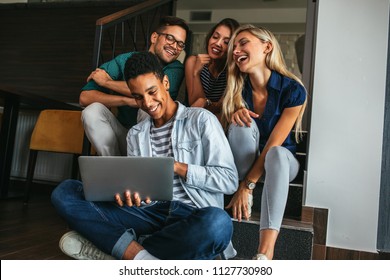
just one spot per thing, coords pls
(260, 257)
(77, 247)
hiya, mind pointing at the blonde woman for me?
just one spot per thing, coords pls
(263, 102)
(206, 73)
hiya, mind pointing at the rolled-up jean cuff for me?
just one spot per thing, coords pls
(270, 227)
(123, 242)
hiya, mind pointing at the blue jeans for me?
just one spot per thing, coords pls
(173, 229)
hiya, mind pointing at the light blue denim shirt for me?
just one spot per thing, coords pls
(199, 141)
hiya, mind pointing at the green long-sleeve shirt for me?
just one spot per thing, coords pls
(127, 115)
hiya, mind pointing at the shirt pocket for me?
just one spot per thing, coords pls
(190, 151)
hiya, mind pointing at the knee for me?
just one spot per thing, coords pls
(217, 225)
(243, 132)
(66, 191)
(276, 156)
(93, 112)
(243, 140)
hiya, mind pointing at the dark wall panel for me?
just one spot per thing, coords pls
(46, 48)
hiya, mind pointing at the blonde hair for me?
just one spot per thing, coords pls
(274, 60)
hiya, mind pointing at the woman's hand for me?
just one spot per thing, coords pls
(243, 117)
(201, 60)
(130, 200)
(239, 202)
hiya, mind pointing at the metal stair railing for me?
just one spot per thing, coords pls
(129, 29)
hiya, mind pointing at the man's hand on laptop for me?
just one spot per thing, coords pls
(129, 199)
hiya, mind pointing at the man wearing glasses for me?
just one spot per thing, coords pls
(107, 132)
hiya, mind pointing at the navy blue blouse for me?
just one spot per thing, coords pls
(283, 92)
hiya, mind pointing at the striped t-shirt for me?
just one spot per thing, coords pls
(213, 88)
(162, 147)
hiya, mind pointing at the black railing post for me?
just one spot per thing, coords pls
(97, 47)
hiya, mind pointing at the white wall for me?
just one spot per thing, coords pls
(344, 161)
(288, 15)
(285, 19)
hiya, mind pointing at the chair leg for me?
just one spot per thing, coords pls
(30, 174)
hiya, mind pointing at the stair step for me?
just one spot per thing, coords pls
(294, 242)
(294, 202)
(286, 223)
(301, 157)
(302, 145)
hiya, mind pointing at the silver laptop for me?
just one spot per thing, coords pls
(103, 177)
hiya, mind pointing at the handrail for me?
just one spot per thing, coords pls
(118, 20)
(130, 12)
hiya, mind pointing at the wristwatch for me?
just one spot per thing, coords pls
(250, 185)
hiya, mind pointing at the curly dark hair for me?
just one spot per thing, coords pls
(141, 63)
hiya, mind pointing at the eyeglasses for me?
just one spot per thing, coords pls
(171, 40)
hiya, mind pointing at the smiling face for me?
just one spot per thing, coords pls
(249, 52)
(167, 52)
(218, 43)
(152, 96)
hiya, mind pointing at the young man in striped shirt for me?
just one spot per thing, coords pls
(191, 226)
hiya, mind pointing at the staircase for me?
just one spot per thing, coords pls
(295, 239)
